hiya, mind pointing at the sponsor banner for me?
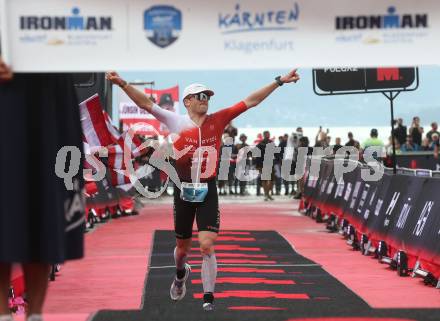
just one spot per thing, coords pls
(386, 207)
(80, 35)
(353, 200)
(405, 214)
(399, 209)
(372, 210)
(313, 179)
(362, 207)
(326, 180)
(359, 80)
(421, 160)
(422, 228)
(350, 179)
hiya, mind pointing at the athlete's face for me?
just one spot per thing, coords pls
(198, 103)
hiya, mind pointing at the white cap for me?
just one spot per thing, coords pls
(195, 89)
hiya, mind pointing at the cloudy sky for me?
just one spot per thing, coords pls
(298, 105)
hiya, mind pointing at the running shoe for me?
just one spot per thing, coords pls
(178, 288)
(208, 306)
(208, 301)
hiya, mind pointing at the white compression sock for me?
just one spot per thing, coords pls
(209, 272)
(180, 261)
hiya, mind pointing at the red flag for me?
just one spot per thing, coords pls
(93, 123)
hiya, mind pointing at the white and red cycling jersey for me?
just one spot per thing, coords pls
(195, 139)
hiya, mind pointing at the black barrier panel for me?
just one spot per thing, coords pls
(415, 160)
(336, 189)
(327, 179)
(349, 182)
(404, 211)
(353, 201)
(314, 179)
(367, 198)
(335, 199)
(394, 199)
(376, 197)
(423, 225)
(361, 80)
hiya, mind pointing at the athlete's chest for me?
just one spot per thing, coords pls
(208, 134)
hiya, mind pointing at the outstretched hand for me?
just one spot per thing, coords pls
(114, 77)
(5, 72)
(290, 77)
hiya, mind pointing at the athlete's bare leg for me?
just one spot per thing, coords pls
(183, 246)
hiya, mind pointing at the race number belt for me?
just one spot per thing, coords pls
(193, 192)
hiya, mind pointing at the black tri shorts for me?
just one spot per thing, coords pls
(206, 213)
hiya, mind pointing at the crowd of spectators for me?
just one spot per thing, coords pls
(406, 140)
(413, 139)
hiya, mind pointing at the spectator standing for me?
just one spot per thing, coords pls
(242, 144)
(266, 184)
(321, 138)
(231, 130)
(416, 131)
(400, 131)
(434, 130)
(426, 145)
(232, 165)
(374, 141)
(409, 145)
(389, 146)
(303, 143)
(278, 162)
(435, 141)
(352, 141)
(337, 144)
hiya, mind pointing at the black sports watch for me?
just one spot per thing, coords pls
(279, 81)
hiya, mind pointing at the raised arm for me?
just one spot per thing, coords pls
(139, 98)
(258, 96)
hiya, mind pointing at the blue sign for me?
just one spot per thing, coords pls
(163, 25)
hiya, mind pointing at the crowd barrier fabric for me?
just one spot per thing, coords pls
(402, 210)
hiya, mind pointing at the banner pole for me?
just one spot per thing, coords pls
(392, 132)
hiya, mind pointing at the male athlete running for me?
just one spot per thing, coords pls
(198, 195)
